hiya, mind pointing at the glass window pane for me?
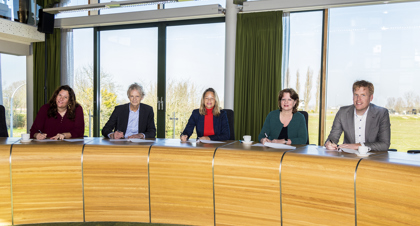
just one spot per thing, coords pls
(13, 88)
(378, 43)
(194, 62)
(127, 56)
(304, 71)
(83, 74)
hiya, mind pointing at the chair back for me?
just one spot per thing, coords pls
(229, 113)
(3, 127)
(305, 114)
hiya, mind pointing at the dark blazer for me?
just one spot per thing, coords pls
(3, 127)
(119, 120)
(378, 127)
(220, 125)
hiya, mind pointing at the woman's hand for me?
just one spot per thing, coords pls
(204, 138)
(264, 140)
(59, 136)
(184, 138)
(40, 136)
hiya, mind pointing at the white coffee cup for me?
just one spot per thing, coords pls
(25, 136)
(247, 138)
(363, 150)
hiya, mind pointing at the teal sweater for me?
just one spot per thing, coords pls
(296, 130)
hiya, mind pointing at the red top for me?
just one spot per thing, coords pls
(52, 126)
(208, 123)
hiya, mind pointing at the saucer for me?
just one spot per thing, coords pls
(25, 141)
(245, 142)
(365, 155)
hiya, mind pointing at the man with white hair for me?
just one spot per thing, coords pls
(131, 120)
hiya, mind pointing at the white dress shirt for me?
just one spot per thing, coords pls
(360, 127)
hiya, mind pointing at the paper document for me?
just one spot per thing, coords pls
(141, 141)
(118, 139)
(74, 140)
(279, 146)
(348, 150)
(46, 140)
(258, 145)
(210, 142)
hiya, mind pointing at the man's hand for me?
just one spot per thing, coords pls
(117, 135)
(139, 135)
(330, 146)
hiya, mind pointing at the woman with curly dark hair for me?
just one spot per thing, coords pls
(285, 125)
(62, 118)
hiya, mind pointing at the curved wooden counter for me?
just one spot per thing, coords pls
(318, 187)
(167, 181)
(181, 182)
(246, 185)
(47, 182)
(116, 181)
(387, 190)
(5, 193)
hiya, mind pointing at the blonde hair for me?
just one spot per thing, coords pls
(216, 109)
(364, 83)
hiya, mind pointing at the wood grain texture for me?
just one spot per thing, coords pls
(5, 197)
(387, 193)
(317, 190)
(181, 185)
(116, 183)
(47, 183)
(247, 186)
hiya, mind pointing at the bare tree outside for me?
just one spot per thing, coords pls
(390, 103)
(287, 79)
(308, 88)
(297, 82)
(400, 105)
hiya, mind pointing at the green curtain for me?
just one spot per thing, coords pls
(257, 70)
(53, 64)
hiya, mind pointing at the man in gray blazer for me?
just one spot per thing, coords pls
(363, 123)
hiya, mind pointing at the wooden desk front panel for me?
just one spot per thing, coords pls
(387, 194)
(5, 197)
(317, 190)
(181, 185)
(47, 183)
(247, 187)
(116, 183)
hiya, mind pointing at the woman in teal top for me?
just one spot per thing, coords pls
(286, 125)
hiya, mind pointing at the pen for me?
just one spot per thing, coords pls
(39, 131)
(265, 135)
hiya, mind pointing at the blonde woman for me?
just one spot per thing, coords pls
(210, 121)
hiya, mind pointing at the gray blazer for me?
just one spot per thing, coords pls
(378, 127)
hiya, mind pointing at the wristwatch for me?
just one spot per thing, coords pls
(286, 141)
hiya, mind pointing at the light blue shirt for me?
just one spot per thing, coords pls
(133, 122)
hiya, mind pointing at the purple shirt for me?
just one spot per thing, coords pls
(52, 126)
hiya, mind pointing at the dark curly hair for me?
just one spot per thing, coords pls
(293, 95)
(71, 107)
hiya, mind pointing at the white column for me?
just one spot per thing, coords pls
(231, 14)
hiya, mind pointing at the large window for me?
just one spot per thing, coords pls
(378, 43)
(304, 68)
(195, 61)
(13, 90)
(83, 73)
(127, 56)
